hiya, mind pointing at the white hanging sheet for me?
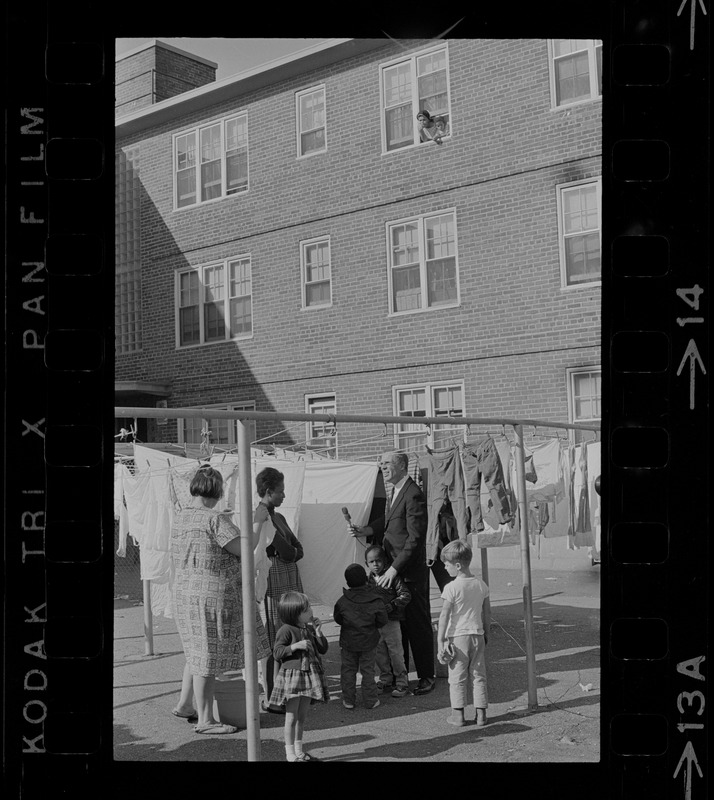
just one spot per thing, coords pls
(324, 533)
(120, 510)
(162, 489)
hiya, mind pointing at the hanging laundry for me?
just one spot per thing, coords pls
(120, 510)
(329, 546)
(445, 481)
(482, 461)
(594, 468)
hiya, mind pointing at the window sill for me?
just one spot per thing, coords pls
(317, 308)
(185, 347)
(431, 309)
(576, 286)
(211, 202)
(576, 103)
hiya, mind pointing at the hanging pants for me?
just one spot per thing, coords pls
(482, 461)
(445, 480)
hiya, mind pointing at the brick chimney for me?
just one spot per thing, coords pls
(156, 71)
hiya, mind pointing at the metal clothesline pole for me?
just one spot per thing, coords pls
(252, 690)
(247, 565)
(526, 570)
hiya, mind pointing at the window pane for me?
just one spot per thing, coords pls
(317, 294)
(213, 283)
(210, 180)
(186, 188)
(189, 332)
(312, 142)
(312, 111)
(412, 402)
(188, 289)
(241, 317)
(236, 172)
(186, 151)
(214, 325)
(572, 78)
(587, 395)
(240, 280)
(210, 143)
(433, 96)
(582, 258)
(317, 262)
(440, 237)
(407, 289)
(580, 212)
(397, 84)
(236, 134)
(441, 279)
(400, 127)
(405, 244)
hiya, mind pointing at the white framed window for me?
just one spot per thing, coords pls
(579, 231)
(316, 269)
(423, 262)
(223, 431)
(584, 397)
(211, 161)
(409, 85)
(428, 400)
(311, 121)
(214, 303)
(321, 436)
(575, 70)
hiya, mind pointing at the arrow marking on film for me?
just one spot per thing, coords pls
(692, 354)
(690, 757)
(692, 17)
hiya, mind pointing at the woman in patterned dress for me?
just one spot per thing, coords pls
(284, 552)
(208, 605)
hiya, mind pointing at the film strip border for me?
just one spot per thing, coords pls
(656, 305)
(59, 357)
(59, 378)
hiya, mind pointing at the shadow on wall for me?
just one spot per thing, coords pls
(215, 373)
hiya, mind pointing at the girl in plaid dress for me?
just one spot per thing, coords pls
(301, 679)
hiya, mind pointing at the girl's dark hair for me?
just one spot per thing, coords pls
(267, 480)
(375, 548)
(291, 605)
(207, 482)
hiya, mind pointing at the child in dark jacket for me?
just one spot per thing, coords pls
(390, 652)
(360, 612)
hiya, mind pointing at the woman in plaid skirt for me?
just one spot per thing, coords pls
(284, 552)
(301, 679)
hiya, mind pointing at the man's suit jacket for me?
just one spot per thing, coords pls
(402, 532)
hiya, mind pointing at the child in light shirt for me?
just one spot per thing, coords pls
(461, 633)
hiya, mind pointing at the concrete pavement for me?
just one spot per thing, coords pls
(564, 728)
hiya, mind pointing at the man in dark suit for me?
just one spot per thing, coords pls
(402, 533)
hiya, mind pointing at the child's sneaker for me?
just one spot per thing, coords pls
(348, 705)
(403, 692)
(376, 703)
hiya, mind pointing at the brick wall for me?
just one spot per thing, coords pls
(155, 74)
(516, 330)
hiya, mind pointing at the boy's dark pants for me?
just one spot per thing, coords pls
(354, 661)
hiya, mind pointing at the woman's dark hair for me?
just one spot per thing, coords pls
(267, 480)
(375, 548)
(207, 482)
(426, 114)
(291, 604)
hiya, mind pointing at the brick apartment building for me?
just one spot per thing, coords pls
(285, 241)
